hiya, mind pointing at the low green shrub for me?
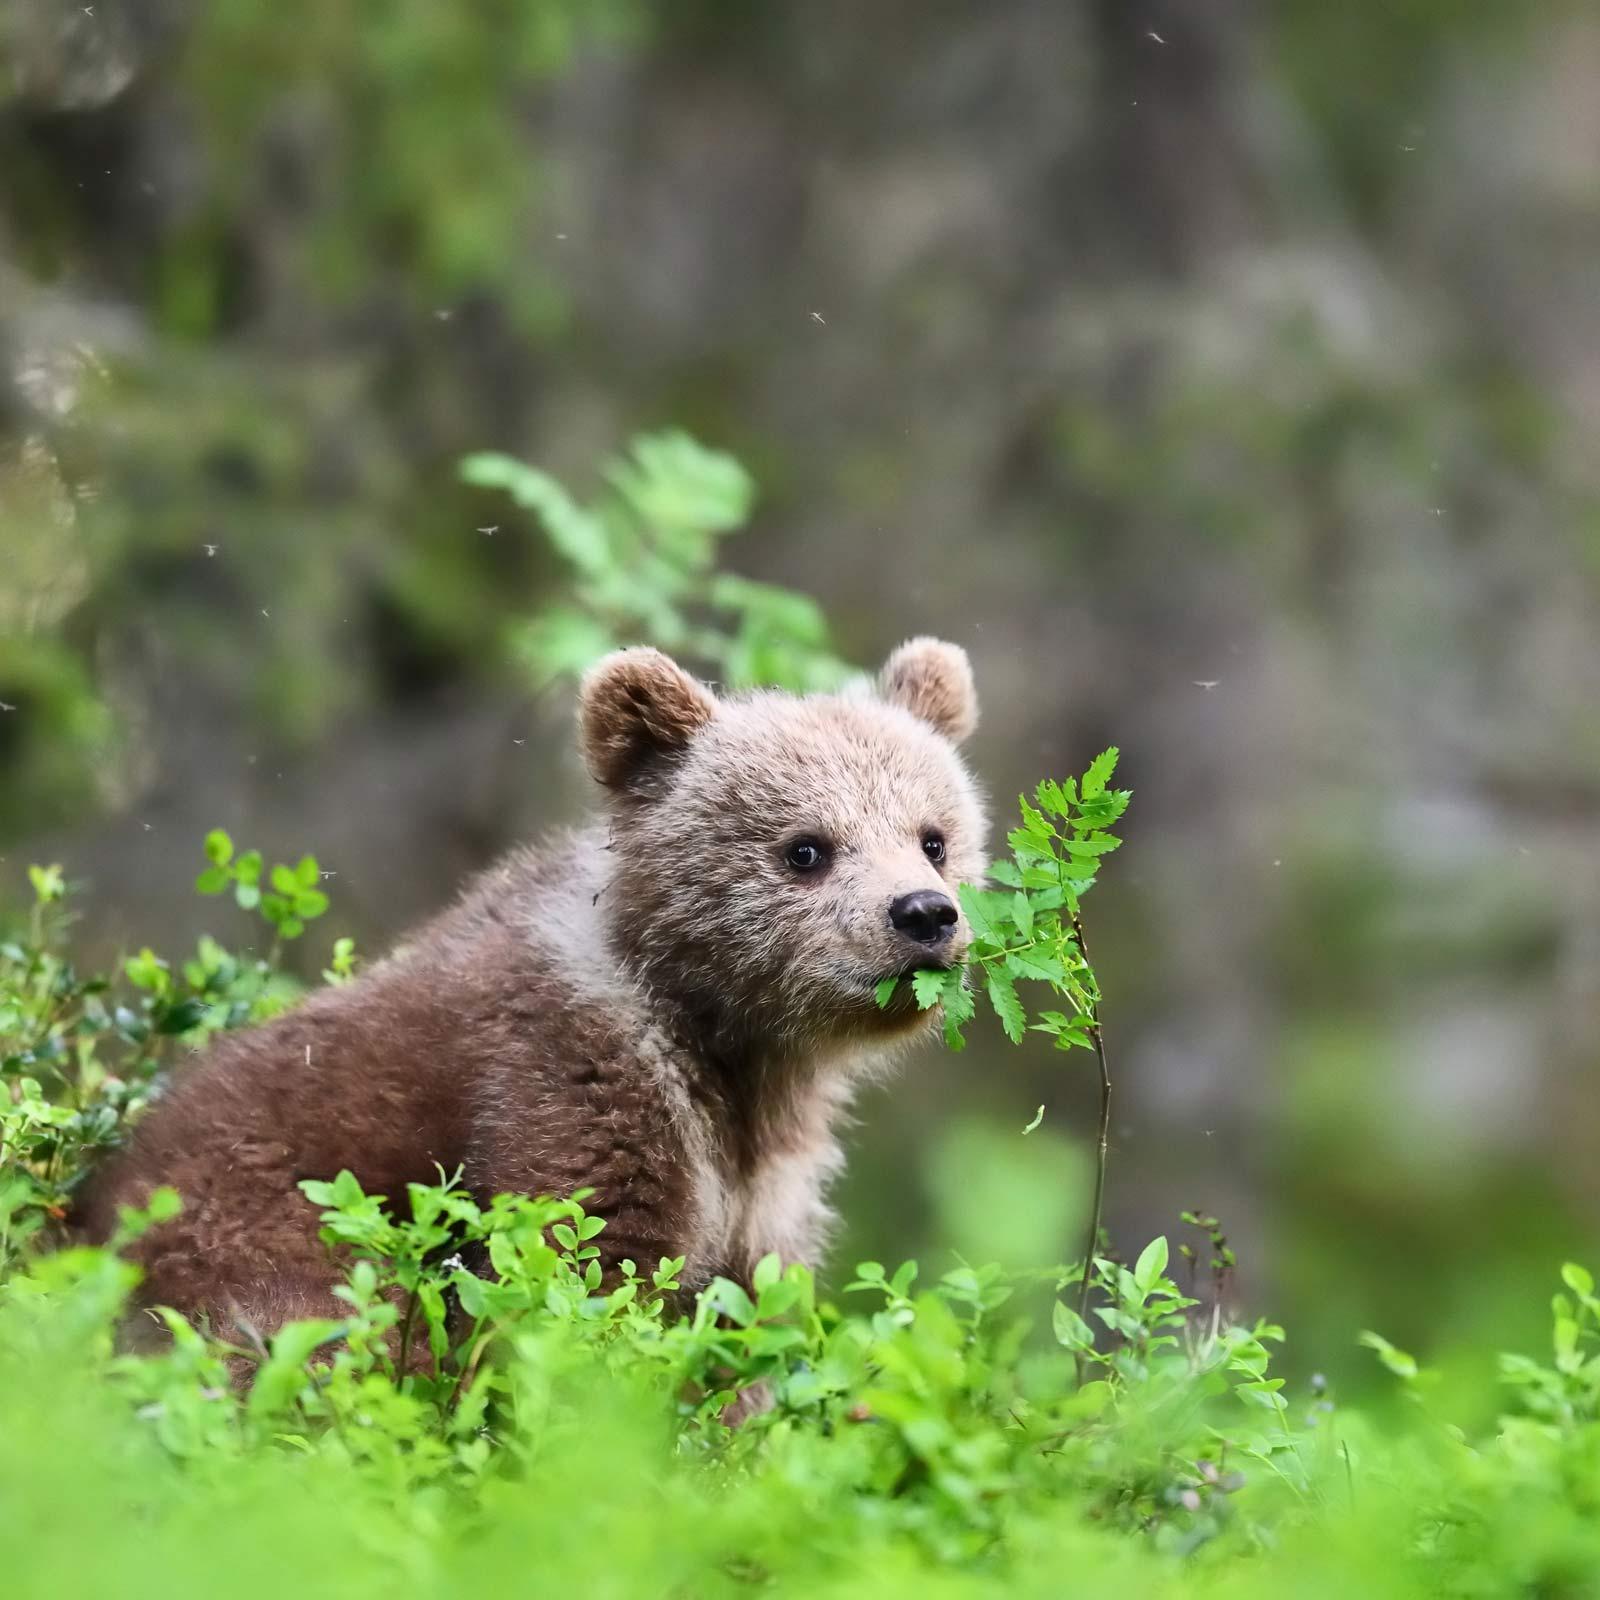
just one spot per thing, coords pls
(488, 1417)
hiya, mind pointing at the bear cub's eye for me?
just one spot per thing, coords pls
(806, 855)
(933, 846)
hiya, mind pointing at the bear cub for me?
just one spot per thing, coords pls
(669, 1006)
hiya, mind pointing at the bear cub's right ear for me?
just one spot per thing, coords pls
(635, 706)
(933, 680)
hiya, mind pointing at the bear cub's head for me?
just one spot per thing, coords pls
(775, 856)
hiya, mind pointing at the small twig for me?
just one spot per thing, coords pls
(405, 1328)
(475, 1344)
(1097, 1039)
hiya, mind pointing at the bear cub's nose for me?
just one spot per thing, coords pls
(924, 915)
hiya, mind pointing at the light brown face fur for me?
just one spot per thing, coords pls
(709, 800)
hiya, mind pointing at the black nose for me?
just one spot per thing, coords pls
(924, 915)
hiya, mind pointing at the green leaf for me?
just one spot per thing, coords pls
(796, 618)
(1578, 1279)
(561, 641)
(1035, 964)
(928, 984)
(975, 903)
(1029, 850)
(676, 484)
(219, 848)
(1152, 1262)
(279, 1379)
(576, 534)
(731, 1301)
(180, 1016)
(471, 1291)
(247, 869)
(1054, 798)
(1399, 1362)
(1034, 824)
(884, 992)
(1022, 914)
(1070, 1329)
(248, 896)
(1097, 844)
(285, 881)
(310, 903)
(212, 881)
(306, 872)
(48, 883)
(1003, 997)
(959, 1006)
(146, 970)
(1099, 773)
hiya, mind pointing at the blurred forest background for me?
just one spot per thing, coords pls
(1222, 375)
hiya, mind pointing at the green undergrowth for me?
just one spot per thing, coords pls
(487, 1416)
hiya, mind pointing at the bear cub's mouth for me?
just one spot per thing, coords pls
(913, 964)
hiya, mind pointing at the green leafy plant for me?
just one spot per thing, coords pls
(1031, 930)
(643, 562)
(293, 896)
(80, 1055)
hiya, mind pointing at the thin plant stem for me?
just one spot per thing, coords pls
(405, 1336)
(477, 1341)
(1091, 1243)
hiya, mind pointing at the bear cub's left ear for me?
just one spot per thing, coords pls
(635, 707)
(933, 680)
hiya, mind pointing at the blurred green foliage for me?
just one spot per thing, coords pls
(1366, 75)
(420, 163)
(371, 164)
(643, 561)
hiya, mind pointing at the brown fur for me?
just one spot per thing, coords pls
(656, 1007)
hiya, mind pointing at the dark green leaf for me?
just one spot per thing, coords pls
(181, 1016)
